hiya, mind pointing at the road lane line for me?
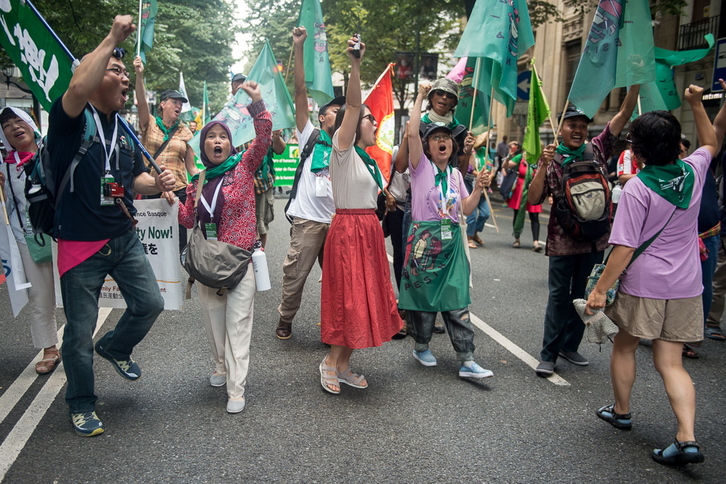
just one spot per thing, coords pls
(510, 346)
(26, 425)
(528, 359)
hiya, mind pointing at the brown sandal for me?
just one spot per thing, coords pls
(284, 330)
(47, 365)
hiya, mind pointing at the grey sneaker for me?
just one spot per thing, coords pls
(217, 379)
(235, 406)
(574, 357)
(545, 368)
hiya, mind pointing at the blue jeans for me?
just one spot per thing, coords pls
(708, 268)
(124, 259)
(563, 328)
(479, 216)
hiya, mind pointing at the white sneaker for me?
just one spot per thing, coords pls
(235, 406)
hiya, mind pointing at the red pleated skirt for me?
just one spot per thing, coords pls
(358, 306)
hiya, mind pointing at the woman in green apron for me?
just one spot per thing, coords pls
(435, 275)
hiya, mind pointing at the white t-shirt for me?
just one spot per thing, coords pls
(314, 198)
(353, 185)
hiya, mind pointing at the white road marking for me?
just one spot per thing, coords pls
(24, 428)
(528, 359)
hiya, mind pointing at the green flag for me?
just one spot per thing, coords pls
(146, 27)
(499, 32)
(43, 61)
(274, 92)
(619, 52)
(205, 108)
(537, 112)
(662, 94)
(318, 77)
(473, 106)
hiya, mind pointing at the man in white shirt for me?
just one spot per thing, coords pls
(311, 206)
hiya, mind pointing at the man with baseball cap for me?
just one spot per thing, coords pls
(311, 205)
(571, 260)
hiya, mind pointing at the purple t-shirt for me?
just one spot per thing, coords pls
(670, 267)
(426, 196)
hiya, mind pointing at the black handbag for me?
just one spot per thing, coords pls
(213, 263)
(507, 186)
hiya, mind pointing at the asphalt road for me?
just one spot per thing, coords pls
(413, 424)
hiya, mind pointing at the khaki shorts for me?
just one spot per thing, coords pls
(263, 210)
(676, 320)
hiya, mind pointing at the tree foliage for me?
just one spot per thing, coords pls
(191, 36)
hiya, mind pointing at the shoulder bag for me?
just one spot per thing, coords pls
(213, 263)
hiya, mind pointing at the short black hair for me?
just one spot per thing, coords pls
(6, 115)
(339, 119)
(655, 138)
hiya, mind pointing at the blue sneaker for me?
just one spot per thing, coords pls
(426, 358)
(474, 371)
(127, 368)
(86, 424)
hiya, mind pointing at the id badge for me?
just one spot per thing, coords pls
(321, 186)
(210, 231)
(106, 198)
(445, 229)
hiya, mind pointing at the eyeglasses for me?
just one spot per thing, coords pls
(119, 71)
(441, 137)
(445, 94)
(370, 118)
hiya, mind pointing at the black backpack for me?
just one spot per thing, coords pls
(42, 191)
(584, 211)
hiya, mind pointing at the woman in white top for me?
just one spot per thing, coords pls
(20, 136)
(358, 308)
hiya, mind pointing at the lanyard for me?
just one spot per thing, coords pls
(99, 127)
(211, 208)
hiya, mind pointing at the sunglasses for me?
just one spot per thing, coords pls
(445, 94)
(370, 118)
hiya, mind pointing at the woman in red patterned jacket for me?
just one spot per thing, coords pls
(226, 210)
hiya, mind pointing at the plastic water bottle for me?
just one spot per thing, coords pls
(259, 264)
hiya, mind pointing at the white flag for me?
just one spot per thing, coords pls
(13, 267)
(186, 107)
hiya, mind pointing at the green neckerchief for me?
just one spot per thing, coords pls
(164, 129)
(571, 155)
(267, 166)
(672, 182)
(321, 153)
(222, 168)
(371, 165)
(453, 124)
(442, 178)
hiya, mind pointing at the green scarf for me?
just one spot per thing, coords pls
(267, 166)
(432, 117)
(321, 153)
(371, 165)
(571, 155)
(222, 168)
(442, 178)
(164, 129)
(672, 182)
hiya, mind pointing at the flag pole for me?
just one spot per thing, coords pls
(138, 33)
(486, 159)
(289, 62)
(124, 125)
